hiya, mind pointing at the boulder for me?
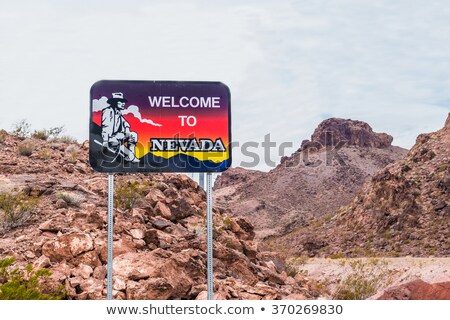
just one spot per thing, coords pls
(122, 246)
(154, 196)
(418, 290)
(41, 262)
(93, 287)
(84, 271)
(137, 233)
(67, 246)
(181, 209)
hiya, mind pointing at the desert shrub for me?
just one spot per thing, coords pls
(364, 252)
(72, 199)
(25, 148)
(40, 134)
(364, 280)
(44, 134)
(16, 284)
(65, 139)
(3, 135)
(300, 261)
(387, 235)
(127, 193)
(55, 132)
(221, 224)
(226, 222)
(15, 209)
(44, 154)
(291, 269)
(292, 266)
(21, 129)
(72, 152)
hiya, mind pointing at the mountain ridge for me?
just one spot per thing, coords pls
(314, 181)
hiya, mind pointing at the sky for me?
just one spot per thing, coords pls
(288, 64)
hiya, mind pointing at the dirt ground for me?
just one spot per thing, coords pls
(382, 272)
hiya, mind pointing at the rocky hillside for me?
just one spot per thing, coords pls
(404, 209)
(58, 221)
(323, 175)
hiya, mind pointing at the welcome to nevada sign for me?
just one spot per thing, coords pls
(159, 126)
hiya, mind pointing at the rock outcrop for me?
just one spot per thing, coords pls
(333, 131)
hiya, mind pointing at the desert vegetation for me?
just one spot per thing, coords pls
(15, 209)
(27, 283)
(22, 129)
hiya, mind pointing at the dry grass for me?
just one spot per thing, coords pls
(25, 148)
(15, 209)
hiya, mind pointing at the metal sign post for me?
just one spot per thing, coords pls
(209, 227)
(110, 234)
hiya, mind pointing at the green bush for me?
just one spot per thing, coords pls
(127, 193)
(16, 284)
(15, 209)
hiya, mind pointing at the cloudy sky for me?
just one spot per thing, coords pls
(289, 64)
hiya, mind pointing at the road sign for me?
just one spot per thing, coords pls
(160, 126)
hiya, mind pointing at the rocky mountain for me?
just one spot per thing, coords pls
(403, 209)
(58, 221)
(324, 174)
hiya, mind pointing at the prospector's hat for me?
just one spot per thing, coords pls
(116, 97)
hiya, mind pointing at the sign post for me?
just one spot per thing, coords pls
(209, 227)
(110, 234)
(160, 126)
